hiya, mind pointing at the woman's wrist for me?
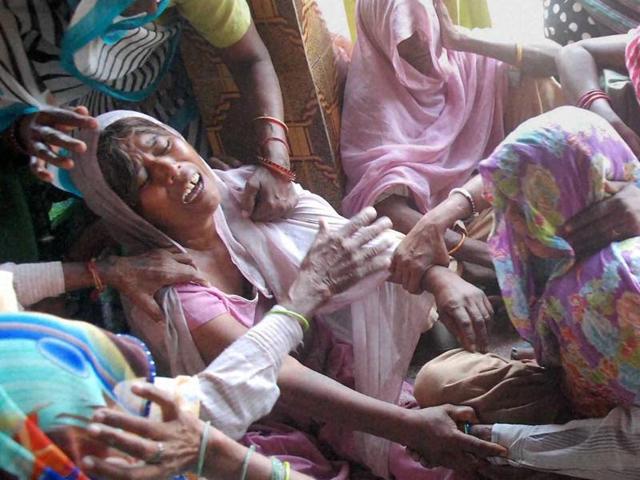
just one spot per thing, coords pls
(435, 276)
(304, 308)
(603, 108)
(276, 152)
(108, 270)
(224, 457)
(442, 217)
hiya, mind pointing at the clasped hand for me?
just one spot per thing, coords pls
(439, 441)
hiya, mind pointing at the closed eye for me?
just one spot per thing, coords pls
(167, 147)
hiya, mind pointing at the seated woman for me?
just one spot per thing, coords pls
(153, 189)
(566, 248)
(424, 103)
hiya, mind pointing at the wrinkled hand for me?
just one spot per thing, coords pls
(450, 35)
(338, 260)
(267, 196)
(463, 308)
(45, 132)
(613, 219)
(437, 441)
(422, 247)
(141, 276)
(180, 433)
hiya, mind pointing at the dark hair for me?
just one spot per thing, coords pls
(115, 163)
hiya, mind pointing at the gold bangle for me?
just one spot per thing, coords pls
(459, 244)
(519, 55)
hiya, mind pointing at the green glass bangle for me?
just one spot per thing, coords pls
(304, 323)
(204, 442)
(245, 463)
(277, 469)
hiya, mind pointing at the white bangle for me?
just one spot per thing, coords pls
(465, 193)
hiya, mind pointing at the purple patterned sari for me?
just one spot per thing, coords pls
(581, 316)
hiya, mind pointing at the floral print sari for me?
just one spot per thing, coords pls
(582, 316)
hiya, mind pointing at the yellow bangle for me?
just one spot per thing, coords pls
(304, 323)
(519, 55)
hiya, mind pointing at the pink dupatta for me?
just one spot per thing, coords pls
(382, 321)
(403, 128)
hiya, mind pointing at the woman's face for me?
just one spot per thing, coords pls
(173, 190)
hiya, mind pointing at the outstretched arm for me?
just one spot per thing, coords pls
(535, 58)
(269, 195)
(605, 446)
(579, 66)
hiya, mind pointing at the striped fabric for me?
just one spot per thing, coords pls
(618, 15)
(632, 59)
(89, 55)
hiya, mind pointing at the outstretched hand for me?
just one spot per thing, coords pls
(175, 440)
(45, 134)
(338, 259)
(438, 441)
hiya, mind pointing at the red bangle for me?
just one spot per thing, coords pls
(270, 119)
(99, 287)
(274, 139)
(278, 169)
(587, 99)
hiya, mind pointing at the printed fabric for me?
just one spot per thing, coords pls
(54, 374)
(582, 315)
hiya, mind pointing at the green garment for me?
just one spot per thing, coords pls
(468, 13)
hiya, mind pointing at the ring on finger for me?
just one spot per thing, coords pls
(157, 456)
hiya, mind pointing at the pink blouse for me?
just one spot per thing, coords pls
(202, 304)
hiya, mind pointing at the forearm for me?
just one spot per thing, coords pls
(325, 399)
(579, 65)
(538, 59)
(77, 274)
(606, 447)
(259, 84)
(456, 207)
(36, 281)
(261, 352)
(578, 72)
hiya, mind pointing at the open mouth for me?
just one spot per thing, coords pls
(194, 187)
